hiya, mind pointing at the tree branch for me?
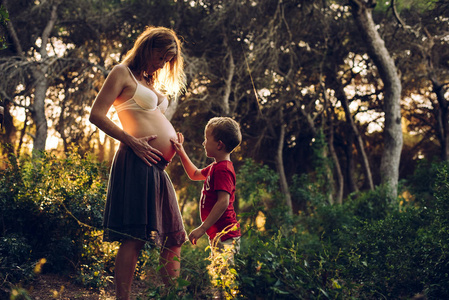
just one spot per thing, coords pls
(47, 31)
(9, 99)
(13, 33)
(396, 15)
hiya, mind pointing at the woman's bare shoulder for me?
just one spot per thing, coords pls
(120, 75)
(120, 70)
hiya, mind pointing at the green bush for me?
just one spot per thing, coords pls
(276, 268)
(367, 248)
(257, 192)
(404, 252)
(376, 249)
(50, 206)
(421, 184)
(194, 268)
(14, 258)
(384, 257)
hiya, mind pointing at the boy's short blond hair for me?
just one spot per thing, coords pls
(227, 131)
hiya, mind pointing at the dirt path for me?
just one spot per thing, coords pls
(50, 286)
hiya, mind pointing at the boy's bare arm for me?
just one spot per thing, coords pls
(192, 171)
(215, 214)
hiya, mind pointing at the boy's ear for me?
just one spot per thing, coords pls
(221, 145)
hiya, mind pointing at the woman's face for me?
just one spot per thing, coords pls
(159, 59)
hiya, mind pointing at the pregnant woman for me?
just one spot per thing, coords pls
(141, 204)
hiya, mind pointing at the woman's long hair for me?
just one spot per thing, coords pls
(171, 78)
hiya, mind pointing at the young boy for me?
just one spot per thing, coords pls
(222, 135)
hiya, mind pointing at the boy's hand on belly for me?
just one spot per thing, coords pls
(177, 143)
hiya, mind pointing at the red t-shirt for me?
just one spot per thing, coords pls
(219, 177)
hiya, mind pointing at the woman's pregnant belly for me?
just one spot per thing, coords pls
(145, 123)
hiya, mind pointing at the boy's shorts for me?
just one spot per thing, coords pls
(226, 249)
(232, 244)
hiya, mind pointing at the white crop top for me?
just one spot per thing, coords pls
(143, 99)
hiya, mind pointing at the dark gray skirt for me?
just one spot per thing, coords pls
(141, 202)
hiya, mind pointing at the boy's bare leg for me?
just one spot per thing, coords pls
(171, 266)
(125, 264)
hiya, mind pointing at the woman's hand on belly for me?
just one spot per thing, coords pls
(147, 126)
(143, 149)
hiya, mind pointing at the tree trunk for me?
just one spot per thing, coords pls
(41, 83)
(340, 180)
(61, 126)
(393, 140)
(441, 110)
(22, 135)
(350, 164)
(38, 112)
(40, 93)
(358, 138)
(8, 127)
(337, 188)
(442, 116)
(230, 71)
(280, 168)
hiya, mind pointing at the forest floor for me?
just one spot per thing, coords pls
(50, 286)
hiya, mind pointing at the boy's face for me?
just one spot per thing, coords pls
(210, 144)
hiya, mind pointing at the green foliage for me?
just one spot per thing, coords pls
(4, 18)
(399, 253)
(422, 184)
(275, 268)
(383, 257)
(194, 281)
(258, 191)
(371, 205)
(367, 248)
(174, 292)
(194, 268)
(49, 208)
(419, 5)
(256, 181)
(375, 250)
(306, 192)
(19, 293)
(95, 268)
(314, 189)
(14, 258)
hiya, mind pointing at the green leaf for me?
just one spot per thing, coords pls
(324, 292)
(182, 282)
